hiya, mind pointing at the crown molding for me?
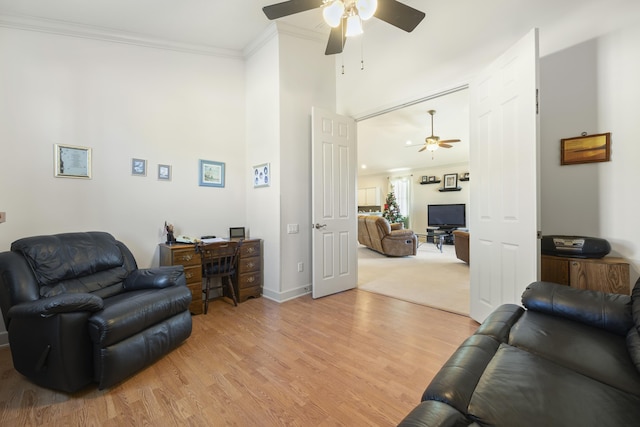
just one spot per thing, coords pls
(64, 28)
(276, 28)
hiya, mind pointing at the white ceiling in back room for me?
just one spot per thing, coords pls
(383, 140)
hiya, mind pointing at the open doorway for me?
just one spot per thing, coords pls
(389, 146)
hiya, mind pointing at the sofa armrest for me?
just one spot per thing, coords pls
(396, 225)
(155, 278)
(63, 303)
(611, 312)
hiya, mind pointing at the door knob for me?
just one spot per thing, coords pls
(319, 226)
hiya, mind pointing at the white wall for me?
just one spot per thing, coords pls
(306, 81)
(593, 87)
(263, 146)
(280, 94)
(122, 101)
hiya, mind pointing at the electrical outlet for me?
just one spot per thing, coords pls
(300, 267)
(3, 216)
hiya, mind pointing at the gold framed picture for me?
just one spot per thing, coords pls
(585, 149)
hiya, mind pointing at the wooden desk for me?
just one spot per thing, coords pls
(247, 281)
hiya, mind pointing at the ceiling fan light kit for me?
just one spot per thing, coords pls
(345, 16)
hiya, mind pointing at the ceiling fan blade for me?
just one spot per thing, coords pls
(424, 147)
(291, 7)
(336, 40)
(450, 141)
(399, 14)
(444, 145)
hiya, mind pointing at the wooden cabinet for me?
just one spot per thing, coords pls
(608, 274)
(247, 282)
(181, 254)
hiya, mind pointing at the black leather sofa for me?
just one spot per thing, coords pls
(569, 358)
(78, 310)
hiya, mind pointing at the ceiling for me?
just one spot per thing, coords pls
(382, 140)
(455, 28)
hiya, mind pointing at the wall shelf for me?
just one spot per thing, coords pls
(432, 182)
(442, 190)
(463, 179)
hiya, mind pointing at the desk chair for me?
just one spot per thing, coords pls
(219, 261)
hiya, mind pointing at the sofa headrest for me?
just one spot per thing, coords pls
(67, 256)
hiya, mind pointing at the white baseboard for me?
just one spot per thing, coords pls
(286, 296)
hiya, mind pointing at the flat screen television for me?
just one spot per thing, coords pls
(446, 216)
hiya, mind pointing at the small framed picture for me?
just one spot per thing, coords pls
(72, 161)
(451, 180)
(424, 179)
(261, 175)
(585, 149)
(465, 176)
(138, 167)
(164, 172)
(432, 179)
(211, 174)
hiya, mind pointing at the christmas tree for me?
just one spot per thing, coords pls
(391, 210)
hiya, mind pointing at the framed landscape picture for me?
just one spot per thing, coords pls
(211, 174)
(585, 149)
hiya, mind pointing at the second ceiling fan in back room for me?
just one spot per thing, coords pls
(345, 16)
(433, 142)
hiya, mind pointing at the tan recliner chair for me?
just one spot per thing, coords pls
(376, 233)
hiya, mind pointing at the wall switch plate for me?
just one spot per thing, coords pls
(300, 267)
(293, 228)
(3, 216)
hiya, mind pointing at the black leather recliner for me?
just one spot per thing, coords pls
(78, 310)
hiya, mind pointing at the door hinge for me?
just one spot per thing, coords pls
(537, 102)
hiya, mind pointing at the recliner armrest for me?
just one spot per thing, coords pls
(155, 278)
(63, 303)
(611, 312)
(401, 234)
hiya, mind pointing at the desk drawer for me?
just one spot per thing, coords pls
(249, 280)
(247, 265)
(250, 249)
(187, 256)
(193, 273)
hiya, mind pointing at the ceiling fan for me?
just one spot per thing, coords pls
(345, 16)
(431, 143)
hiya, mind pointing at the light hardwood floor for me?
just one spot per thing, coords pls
(351, 359)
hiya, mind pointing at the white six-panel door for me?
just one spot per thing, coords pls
(504, 144)
(334, 210)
